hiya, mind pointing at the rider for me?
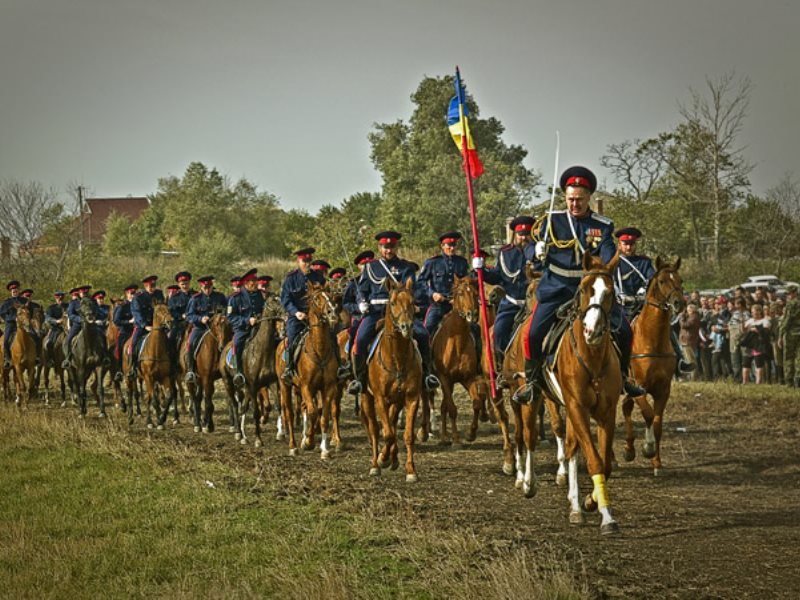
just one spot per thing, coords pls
(337, 274)
(123, 319)
(198, 313)
(321, 266)
(295, 302)
(436, 277)
(350, 301)
(243, 313)
(74, 314)
(562, 239)
(102, 311)
(263, 286)
(509, 274)
(236, 285)
(177, 304)
(33, 307)
(373, 295)
(8, 312)
(630, 283)
(55, 312)
(142, 311)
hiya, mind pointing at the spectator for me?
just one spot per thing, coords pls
(690, 335)
(720, 353)
(755, 343)
(775, 316)
(735, 331)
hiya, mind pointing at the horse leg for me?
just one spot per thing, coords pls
(388, 455)
(368, 418)
(336, 403)
(445, 410)
(411, 406)
(101, 391)
(530, 436)
(519, 444)
(576, 516)
(660, 398)
(605, 439)
(474, 389)
(424, 430)
(287, 416)
(328, 398)
(630, 435)
(244, 406)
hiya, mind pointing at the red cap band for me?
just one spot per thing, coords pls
(578, 181)
(523, 228)
(628, 238)
(385, 241)
(449, 241)
(304, 256)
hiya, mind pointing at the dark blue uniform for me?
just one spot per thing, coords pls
(219, 300)
(437, 276)
(122, 316)
(142, 311)
(53, 315)
(75, 319)
(293, 300)
(177, 305)
(509, 273)
(102, 318)
(350, 304)
(200, 305)
(633, 274)
(563, 272)
(242, 305)
(8, 312)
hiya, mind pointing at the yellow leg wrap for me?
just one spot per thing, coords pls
(599, 493)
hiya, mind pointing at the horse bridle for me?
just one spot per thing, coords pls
(472, 311)
(396, 317)
(665, 304)
(330, 307)
(580, 313)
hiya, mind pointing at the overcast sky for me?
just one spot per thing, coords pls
(117, 94)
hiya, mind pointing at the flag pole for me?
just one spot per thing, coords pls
(475, 242)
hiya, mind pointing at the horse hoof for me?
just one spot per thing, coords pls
(258, 443)
(197, 429)
(293, 452)
(80, 415)
(648, 450)
(305, 445)
(176, 422)
(518, 484)
(484, 416)
(411, 478)
(629, 454)
(383, 464)
(589, 505)
(471, 435)
(561, 479)
(508, 468)
(243, 441)
(610, 528)
(395, 464)
(576, 518)
(325, 455)
(422, 435)
(443, 442)
(232, 429)
(280, 436)
(237, 436)
(658, 472)
(529, 490)
(160, 428)
(374, 472)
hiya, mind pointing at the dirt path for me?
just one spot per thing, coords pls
(721, 522)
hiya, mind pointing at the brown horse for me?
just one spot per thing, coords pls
(456, 360)
(587, 377)
(315, 376)
(653, 358)
(154, 367)
(23, 357)
(53, 357)
(88, 357)
(258, 367)
(394, 382)
(206, 370)
(112, 333)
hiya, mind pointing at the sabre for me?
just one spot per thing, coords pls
(553, 190)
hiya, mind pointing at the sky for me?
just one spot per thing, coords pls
(115, 95)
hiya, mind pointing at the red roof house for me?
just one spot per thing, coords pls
(97, 210)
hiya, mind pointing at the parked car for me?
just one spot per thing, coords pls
(763, 281)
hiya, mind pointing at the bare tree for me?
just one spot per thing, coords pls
(25, 208)
(638, 165)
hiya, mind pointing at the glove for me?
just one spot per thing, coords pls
(363, 307)
(539, 250)
(477, 262)
(641, 292)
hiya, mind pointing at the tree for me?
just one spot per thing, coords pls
(26, 209)
(638, 165)
(424, 192)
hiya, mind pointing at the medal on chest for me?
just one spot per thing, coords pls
(593, 237)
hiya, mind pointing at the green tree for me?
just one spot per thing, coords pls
(424, 191)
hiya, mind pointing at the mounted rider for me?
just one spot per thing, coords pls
(75, 320)
(509, 274)
(199, 312)
(52, 317)
(101, 320)
(123, 319)
(244, 309)
(34, 308)
(630, 284)
(436, 279)
(142, 311)
(373, 295)
(562, 239)
(350, 301)
(264, 282)
(177, 304)
(8, 312)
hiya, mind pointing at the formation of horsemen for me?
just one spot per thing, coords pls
(389, 348)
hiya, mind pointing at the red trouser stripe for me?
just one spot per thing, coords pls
(355, 337)
(526, 344)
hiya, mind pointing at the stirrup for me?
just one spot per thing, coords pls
(527, 393)
(65, 364)
(431, 382)
(118, 377)
(354, 389)
(686, 367)
(238, 380)
(190, 377)
(343, 372)
(287, 375)
(632, 389)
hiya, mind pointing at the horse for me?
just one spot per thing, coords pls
(258, 367)
(456, 360)
(653, 358)
(394, 382)
(88, 357)
(53, 357)
(23, 357)
(207, 370)
(112, 333)
(155, 368)
(587, 376)
(315, 376)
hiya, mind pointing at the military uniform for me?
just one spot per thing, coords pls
(8, 312)
(75, 320)
(122, 316)
(52, 317)
(101, 320)
(630, 282)
(242, 306)
(789, 331)
(142, 311)
(34, 308)
(436, 276)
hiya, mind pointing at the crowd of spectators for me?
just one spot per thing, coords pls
(734, 338)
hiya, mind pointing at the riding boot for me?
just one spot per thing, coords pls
(684, 366)
(67, 355)
(631, 388)
(238, 379)
(288, 371)
(430, 380)
(534, 381)
(190, 376)
(342, 368)
(500, 378)
(359, 383)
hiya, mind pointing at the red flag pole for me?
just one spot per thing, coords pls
(476, 247)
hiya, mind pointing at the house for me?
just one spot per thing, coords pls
(97, 210)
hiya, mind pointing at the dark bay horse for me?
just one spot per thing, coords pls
(394, 382)
(587, 377)
(207, 371)
(88, 357)
(653, 358)
(315, 376)
(52, 358)
(23, 357)
(258, 368)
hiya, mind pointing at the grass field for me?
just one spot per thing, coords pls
(89, 510)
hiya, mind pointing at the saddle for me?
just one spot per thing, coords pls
(435, 332)
(298, 346)
(519, 320)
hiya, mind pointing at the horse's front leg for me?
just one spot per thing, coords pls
(369, 419)
(411, 406)
(474, 388)
(660, 398)
(311, 417)
(424, 431)
(388, 412)
(498, 410)
(101, 398)
(287, 416)
(630, 435)
(256, 416)
(530, 434)
(336, 405)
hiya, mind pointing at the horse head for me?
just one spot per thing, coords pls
(400, 308)
(23, 316)
(465, 298)
(665, 289)
(162, 318)
(88, 310)
(320, 305)
(530, 291)
(220, 328)
(595, 296)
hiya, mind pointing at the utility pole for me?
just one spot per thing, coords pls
(80, 219)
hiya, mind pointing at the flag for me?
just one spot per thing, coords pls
(458, 123)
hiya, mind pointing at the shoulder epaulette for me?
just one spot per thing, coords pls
(506, 247)
(602, 218)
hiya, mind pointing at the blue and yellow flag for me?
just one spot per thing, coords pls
(458, 123)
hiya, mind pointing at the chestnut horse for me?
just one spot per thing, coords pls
(653, 358)
(258, 368)
(206, 370)
(23, 357)
(587, 377)
(394, 382)
(315, 376)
